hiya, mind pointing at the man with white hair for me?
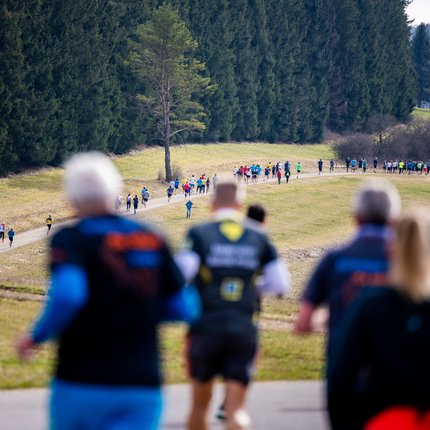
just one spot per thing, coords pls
(112, 281)
(223, 258)
(358, 267)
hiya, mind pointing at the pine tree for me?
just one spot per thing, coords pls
(351, 71)
(246, 68)
(209, 23)
(13, 108)
(421, 55)
(162, 57)
(40, 126)
(401, 80)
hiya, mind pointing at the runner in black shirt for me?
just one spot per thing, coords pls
(222, 258)
(112, 282)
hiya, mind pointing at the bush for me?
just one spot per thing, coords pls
(355, 146)
(406, 142)
(176, 173)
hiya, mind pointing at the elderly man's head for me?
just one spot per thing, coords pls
(227, 195)
(92, 182)
(376, 202)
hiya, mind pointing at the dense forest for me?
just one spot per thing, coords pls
(283, 70)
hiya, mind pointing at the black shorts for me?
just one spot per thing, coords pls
(231, 356)
(1, 234)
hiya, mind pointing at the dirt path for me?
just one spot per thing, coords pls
(31, 236)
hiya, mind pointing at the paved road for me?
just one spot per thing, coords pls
(31, 236)
(272, 406)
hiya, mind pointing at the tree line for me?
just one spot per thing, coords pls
(280, 70)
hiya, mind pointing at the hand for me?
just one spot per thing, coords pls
(25, 347)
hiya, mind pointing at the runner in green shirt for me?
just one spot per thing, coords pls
(298, 168)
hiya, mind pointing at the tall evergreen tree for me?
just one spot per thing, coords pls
(350, 60)
(13, 108)
(421, 55)
(401, 80)
(246, 68)
(40, 126)
(163, 59)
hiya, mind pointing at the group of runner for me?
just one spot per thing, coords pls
(10, 233)
(409, 166)
(277, 170)
(391, 166)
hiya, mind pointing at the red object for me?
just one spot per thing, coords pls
(400, 418)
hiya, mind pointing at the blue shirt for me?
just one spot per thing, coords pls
(346, 273)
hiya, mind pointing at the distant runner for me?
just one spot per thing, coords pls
(299, 169)
(11, 234)
(135, 203)
(145, 197)
(320, 166)
(49, 222)
(169, 193)
(2, 229)
(189, 205)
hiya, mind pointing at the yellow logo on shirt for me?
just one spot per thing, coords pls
(231, 230)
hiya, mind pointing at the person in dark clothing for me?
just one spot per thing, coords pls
(320, 166)
(135, 203)
(387, 336)
(357, 268)
(49, 222)
(256, 213)
(189, 206)
(112, 282)
(221, 258)
(11, 235)
(347, 163)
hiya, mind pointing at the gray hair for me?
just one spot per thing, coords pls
(91, 177)
(228, 192)
(376, 202)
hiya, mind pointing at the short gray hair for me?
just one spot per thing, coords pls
(377, 201)
(91, 177)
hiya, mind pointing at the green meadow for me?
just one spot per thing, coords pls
(305, 218)
(421, 113)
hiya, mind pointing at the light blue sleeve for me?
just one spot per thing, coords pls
(68, 294)
(185, 305)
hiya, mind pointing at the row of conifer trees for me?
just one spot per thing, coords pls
(284, 70)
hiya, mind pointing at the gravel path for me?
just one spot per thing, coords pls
(31, 236)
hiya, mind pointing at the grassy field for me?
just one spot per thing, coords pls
(304, 218)
(421, 113)
(26, 200)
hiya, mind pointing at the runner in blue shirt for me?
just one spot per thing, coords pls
(357, 268)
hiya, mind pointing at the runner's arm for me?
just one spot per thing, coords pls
(68, 294)
(275, 279)
(316, 293)
(188, 262)
(188, 258)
